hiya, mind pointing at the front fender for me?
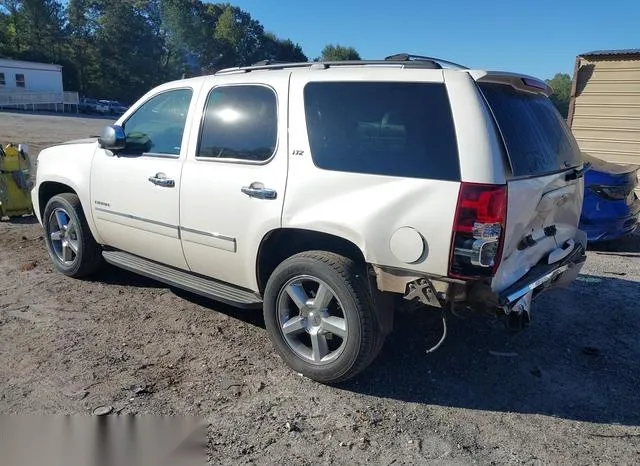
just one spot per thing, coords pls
(68, 165)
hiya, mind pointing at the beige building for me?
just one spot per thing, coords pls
(604, 112)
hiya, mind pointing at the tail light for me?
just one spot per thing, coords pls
(478, 230)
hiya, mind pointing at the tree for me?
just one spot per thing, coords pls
(80, 31)
(239, 37)
(338, 53)
(119, 49)
(33, 29)
(561, 85)
(5, 34)
(283, 50)
(182, 28)
(129, 52)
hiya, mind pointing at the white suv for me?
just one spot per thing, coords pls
(322, 192)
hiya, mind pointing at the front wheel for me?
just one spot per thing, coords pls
(319, 315)
(69, 241)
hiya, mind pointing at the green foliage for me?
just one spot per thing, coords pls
(33, 29)
(119, 49)
(281, 50)
(561, 85)
(338, 53)
(238, 36)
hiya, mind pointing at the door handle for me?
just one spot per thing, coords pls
(160, 179)
(258, 191)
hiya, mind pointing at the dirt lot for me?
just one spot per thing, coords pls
(564, 391)
(39, 131)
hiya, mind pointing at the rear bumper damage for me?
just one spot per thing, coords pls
(515, 301)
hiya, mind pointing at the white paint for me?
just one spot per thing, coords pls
(392, 220)
(39, 77)
(407, 245)
(123, 183)
(211, 199)
(366, 209)
(479, 145)
(533, 204)
(69, 165)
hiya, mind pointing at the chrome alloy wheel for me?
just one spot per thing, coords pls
(312, 320)
(64, 236)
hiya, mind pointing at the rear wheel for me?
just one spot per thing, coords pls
(69, 241)
(319, 314)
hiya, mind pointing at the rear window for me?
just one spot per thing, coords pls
(537, 138)
(382, 128)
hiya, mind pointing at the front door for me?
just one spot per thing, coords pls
(135, 192)
(233, 180)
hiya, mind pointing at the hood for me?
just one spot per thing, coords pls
(81, 141)
(610, 168)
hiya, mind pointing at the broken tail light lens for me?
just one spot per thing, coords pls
(478, 231)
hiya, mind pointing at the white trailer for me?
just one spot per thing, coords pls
(32, 85)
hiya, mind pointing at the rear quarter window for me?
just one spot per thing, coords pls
(382, 128)
(537, 139)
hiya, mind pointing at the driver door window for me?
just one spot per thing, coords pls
(157, 126)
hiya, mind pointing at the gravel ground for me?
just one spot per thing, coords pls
(42, 130)
(563, 391)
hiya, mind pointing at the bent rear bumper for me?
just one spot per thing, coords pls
(540, 278)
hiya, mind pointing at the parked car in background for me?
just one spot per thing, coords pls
(611, 207)
(88, 106)
(103, 107)
(111, 107)
(117, 108)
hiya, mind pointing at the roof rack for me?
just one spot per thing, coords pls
(404, 60)
(410, 57)
(269, 61)
(270, 65)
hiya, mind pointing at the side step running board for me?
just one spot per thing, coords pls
(184, 280)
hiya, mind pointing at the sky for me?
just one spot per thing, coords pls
(536, 37)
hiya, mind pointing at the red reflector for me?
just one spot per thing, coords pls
(480, 204)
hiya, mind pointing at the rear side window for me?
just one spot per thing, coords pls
(382, 128)
(537, 138)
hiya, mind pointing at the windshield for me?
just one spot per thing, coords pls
(537, 139)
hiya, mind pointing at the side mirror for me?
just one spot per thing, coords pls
(113, 138)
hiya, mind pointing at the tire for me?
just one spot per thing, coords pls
(81, 256)
(349, 313)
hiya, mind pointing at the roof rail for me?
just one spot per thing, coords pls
(268, 61)
(269, 65)
(411, 57)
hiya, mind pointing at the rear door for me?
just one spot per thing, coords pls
(234, 177)
(545, 186)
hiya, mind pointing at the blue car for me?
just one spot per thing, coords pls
(611, 207)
